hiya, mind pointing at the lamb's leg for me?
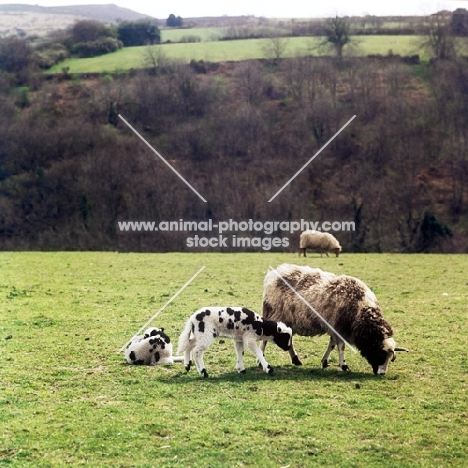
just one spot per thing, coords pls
(187, 353)
(326, 356)
(342, 361)
(203, 342)
(263, 345)
(198, 352)
(252, 346)
(292, 353)
(239, 346)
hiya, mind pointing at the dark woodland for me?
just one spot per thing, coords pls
(70, 169)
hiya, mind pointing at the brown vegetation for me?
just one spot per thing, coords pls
(70, 169)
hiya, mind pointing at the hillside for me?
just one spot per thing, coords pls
(27, 20)
(71, 169)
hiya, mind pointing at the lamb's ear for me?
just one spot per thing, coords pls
(161, 329)
(279, 329)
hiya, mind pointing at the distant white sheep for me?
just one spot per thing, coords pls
(152, 349)
(347, 307)
(240, 324)
(316, 240)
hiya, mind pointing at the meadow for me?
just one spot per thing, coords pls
(67, 398)
(237, 50)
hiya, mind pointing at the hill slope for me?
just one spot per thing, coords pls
(34, 19)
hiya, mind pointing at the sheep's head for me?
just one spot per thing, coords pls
(385, 354)
(337, 251)
(283, 336)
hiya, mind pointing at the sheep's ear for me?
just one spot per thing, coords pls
(161, 329)
(278, 329)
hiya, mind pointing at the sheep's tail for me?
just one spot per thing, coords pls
(184, 338)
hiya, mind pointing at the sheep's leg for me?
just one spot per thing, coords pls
(326, 356)
(342, 361)
(294, 357)
(239, 346)
(252, 346)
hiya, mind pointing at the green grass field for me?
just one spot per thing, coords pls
(218, 51)
(68, 399)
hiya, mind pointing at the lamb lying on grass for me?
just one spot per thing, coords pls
(152, 349)
(240, 324)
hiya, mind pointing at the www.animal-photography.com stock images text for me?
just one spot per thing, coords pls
(233, 235)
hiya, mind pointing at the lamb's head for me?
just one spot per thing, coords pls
(382, 355)
(283, 336)
(152, 331)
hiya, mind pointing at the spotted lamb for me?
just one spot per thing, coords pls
(153, 348)
(240, 324)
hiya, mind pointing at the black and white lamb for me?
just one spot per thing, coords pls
(152, 349)
(348, 309)
(240, 324)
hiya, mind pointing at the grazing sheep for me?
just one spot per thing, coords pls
(348, 309)
(242, 325)
(153, 348)
(316, 240)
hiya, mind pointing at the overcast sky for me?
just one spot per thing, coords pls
(268, 8)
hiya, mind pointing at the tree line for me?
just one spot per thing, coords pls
(70, 169)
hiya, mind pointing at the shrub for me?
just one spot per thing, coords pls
(138, 33)
(190, 38)
(101, 46)
(50, 54)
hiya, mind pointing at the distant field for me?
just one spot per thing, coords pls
(205, 34)
(68, 399)
(218, 51)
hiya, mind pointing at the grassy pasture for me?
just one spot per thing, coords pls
(244, 49)
(68, 399)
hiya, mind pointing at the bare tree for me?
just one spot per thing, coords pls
(155, 58)
(275, 46)
(440, 40)
(250, 80)
(337, 34)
